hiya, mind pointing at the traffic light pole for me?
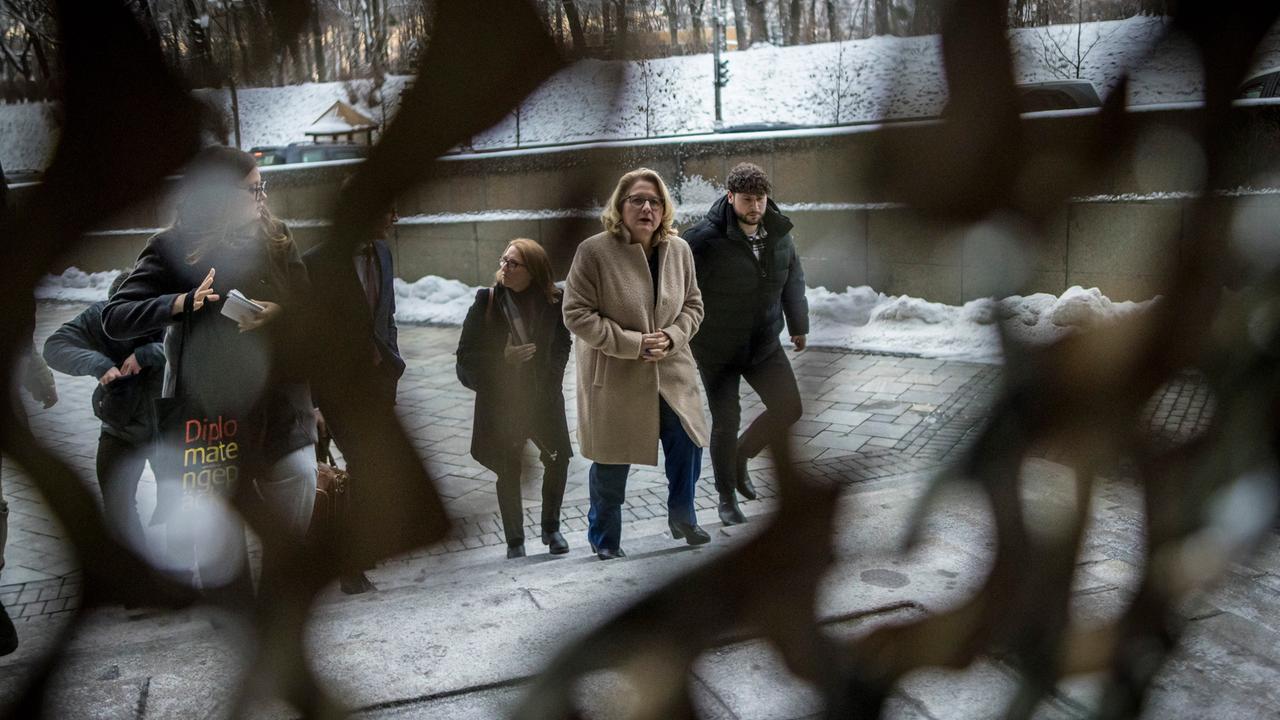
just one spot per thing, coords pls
(717, 31)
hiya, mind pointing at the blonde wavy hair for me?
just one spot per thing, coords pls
(612, 215)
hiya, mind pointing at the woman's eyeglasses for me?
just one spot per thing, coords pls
(258, 190)
(639, 201)
(509, 264)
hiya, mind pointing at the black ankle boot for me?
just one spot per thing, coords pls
(555, 542)
(515, 551)
(730, 513)
(692, 534)
(355, 583)
(8, 633)
(745, 488)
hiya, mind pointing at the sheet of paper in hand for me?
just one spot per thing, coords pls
(240, 308)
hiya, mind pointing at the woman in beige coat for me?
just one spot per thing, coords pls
(632, 300)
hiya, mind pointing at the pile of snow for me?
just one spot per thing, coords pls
(857, 319)
(858, 80)
(75, 285)
(863, 319)
(433, 300)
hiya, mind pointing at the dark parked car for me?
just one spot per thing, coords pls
(759, 127)
(1263, 85)
(306, 152)
(13, 177)
(1057, 95)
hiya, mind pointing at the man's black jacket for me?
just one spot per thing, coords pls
(746, 300)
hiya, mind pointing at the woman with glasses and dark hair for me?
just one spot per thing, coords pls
(632, 301)
(512, 352)
(223, 239)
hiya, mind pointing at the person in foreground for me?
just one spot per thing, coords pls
(632, 301)
(513, 351)
(254, 412)
(751, 280)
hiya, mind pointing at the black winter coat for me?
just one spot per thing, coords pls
(513, 404)
(223, 369)
(746, 299)
(82, 347)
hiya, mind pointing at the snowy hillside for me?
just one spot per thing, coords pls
(859, 80)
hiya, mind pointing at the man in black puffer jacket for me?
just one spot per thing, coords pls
(751, 280)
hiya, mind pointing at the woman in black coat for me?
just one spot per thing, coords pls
(225, 239)
(513, 352)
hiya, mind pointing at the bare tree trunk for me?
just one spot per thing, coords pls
(299, 61)
(671, 8)
(42, 61)
(926, 19)
(620, 28)
(795, 19)
(740, 23)
(149, 19)
(833, 21)
(174, 41)
(317, 43)
(882, 17)
(575, 26)
(758, 22)
(1019, 13)
(246, 56)
(696, 8)
(559, 16)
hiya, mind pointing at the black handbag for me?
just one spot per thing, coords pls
(198, 450)
(122, 405)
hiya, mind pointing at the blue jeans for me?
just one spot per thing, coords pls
(608, 483)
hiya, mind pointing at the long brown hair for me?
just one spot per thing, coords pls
(210, 185)
(538, 265)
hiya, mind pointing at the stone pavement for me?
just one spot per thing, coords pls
(407, 651)
(890, 413)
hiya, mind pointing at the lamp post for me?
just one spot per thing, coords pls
(721, 75)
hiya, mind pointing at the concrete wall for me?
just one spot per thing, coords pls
(847, 228)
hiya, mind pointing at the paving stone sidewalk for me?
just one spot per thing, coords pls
(866, 416)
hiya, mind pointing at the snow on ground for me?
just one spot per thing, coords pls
(75, 285)
(863, 319)
(857, 80)
(280, 115)
(27, 134)
(857, 319)
(433, 300)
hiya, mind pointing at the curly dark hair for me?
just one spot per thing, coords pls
(748, 178)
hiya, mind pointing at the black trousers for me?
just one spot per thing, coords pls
(120, 464)
(775, 383)
(383, 396)
(554, 454)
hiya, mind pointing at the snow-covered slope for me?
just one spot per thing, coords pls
(875, 78)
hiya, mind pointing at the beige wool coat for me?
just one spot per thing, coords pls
(608, 305)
